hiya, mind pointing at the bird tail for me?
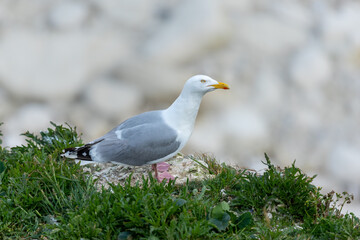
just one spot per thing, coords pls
(79, 153)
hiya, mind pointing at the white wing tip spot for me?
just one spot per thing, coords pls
(118, 134)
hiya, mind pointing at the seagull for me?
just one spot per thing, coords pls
(151, 137)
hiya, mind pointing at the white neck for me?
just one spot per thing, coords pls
(182, 113)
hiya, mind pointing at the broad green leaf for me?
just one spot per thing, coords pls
(2, 167)
(222, 222)
(180, 202)
(219, 209)
(124, 236)
(244, 220)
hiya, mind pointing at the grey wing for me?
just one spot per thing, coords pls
(137, 145)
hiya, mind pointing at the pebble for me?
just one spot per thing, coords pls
(281, 37)
(128, 13)
(53, 66)
(338, 28)
(196, 26)
(311, 67)
(344, 163)
(113, 98)
(30, 117)
(5, 104)
(69, 15)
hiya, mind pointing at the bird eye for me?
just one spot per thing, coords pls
(203, 81)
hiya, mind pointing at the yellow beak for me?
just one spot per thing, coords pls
(221, 85)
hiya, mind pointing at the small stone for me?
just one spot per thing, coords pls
(270, 86)
(344, 163)
(245, 131)
(339, 27)
(113, 99)
(293, 12)
(32, 118)
(68, 14)
(202, 138)
(5, 104)
(266, 34)
(129, 13)
(235, 6)
(246, 124)
(311, 67)
(88, 123)
(158, 82)
(53, 66)
(24, 13)
(195, 27)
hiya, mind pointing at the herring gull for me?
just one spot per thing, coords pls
(151, 137)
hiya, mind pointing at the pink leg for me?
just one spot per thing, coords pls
(163, 167)
(163, 173)
(154, 168)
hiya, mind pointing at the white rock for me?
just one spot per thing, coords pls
(311, 67)
(293, 12)
(236, 7)
(245, 132)
(5, 104)
(195, 27)
(266, 34)
(340, 27)
(114, 99)
(53, 66)
(206, 136)
(309, 119)
(130, 13)
(158, 82)
(25, 13)
(90, 124)
(32, 118)
(68, 14)
(245, 123)
(344, 163)
(268, 90)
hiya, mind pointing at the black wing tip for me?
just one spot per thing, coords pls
(80, 153)
(69, 150)
(69, 153)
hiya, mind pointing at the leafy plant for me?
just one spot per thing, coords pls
(1, 133)
(212, 166)
(222, 217)
(279, 191)
(43, 196)
(219, 217)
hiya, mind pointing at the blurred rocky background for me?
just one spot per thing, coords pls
(293, 67)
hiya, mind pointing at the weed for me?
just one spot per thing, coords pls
(45, 197)
(287, 192)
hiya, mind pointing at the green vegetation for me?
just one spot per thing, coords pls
(45, 197)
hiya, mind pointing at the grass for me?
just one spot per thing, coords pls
(45, 197)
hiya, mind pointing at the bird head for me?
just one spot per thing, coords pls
(204, 84)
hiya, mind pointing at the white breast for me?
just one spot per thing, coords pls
(182, 125)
